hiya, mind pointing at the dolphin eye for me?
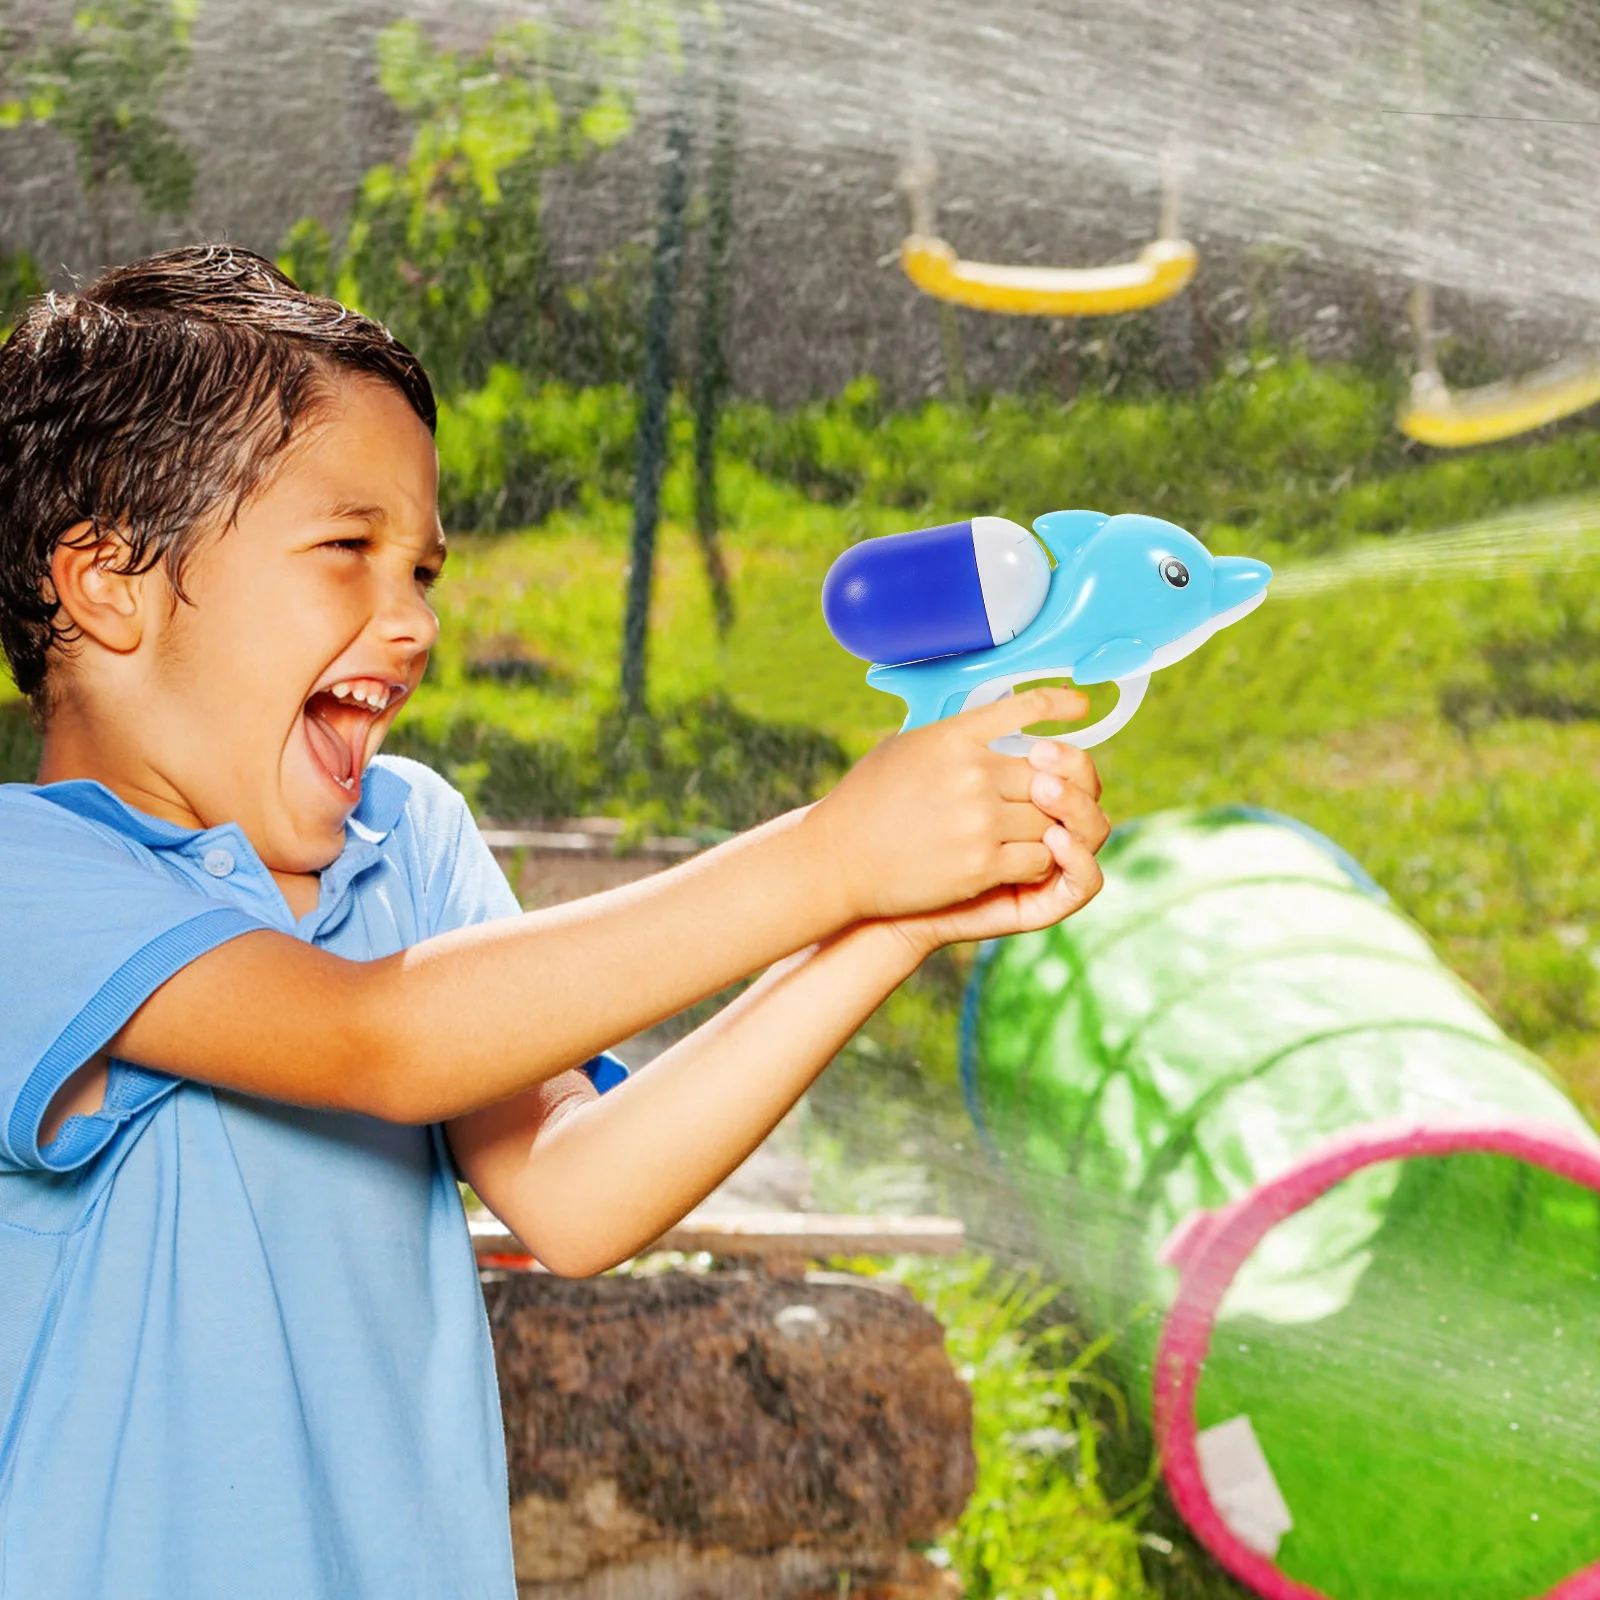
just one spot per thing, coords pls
(1174, 571)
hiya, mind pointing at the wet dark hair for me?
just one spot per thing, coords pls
(153, 403)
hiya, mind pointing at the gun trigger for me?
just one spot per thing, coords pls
(1130, 693)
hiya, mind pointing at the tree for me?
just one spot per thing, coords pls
(447, 246)
(102, 86)
(710, 380)
(655, 395)
(711, 357)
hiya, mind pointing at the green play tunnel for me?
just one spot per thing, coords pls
(1352, 1231)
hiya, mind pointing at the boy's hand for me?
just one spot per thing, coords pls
(933, 818)
(1067, 787)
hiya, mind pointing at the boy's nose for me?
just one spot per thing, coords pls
(409, 619)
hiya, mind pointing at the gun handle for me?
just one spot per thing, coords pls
(1130, 692)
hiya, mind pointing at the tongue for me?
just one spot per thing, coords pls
(337, 735)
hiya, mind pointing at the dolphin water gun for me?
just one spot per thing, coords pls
(956, 616)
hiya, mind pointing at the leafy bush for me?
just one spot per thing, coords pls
(1294, 454)
(1241, 447)
(510, 454)
(1039, 1523)
(102, 85)
(701, 764)
(1290, 456)
(447, 246)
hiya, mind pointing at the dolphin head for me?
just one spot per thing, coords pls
(1138, 593)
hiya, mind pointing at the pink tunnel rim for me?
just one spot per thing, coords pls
(1210, 1248)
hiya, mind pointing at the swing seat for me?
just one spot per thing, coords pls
(1435, 416)
(1160, 271)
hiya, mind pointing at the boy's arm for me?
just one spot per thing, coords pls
(476, 1016)
(471, 1017)
(587, 1181)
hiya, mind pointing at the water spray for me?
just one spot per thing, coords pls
(1563, 536)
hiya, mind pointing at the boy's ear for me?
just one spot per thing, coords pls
(106, 603)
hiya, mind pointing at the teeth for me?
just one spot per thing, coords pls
(368, 692)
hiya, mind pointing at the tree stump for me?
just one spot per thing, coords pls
(726, 1436)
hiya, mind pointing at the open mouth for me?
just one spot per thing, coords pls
(339, 725)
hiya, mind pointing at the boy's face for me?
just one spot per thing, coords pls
(308, 625)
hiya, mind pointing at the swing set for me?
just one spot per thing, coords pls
(1433, 414)
(1161, 270)
(1449, 419)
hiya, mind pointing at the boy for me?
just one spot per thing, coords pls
(266, 995)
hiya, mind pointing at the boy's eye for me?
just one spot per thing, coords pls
(428, 576)
(357, 542)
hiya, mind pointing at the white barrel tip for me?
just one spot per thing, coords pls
(1013, 572)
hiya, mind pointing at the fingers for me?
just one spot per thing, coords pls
(1022, 823)
(1063, 761)
(1026, 862)
(1058, 853)
(1035, 795)
(1070, 890)
(1034, 799)
(1076, 863)
(1011, 713)
(1072, 807)
(1066, 761)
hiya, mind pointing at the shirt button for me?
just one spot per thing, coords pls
(218, 862)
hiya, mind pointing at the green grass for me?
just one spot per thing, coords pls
(1039, 1525)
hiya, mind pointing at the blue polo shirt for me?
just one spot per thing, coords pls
(243, 1351)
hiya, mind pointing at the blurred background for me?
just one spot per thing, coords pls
(652, 254)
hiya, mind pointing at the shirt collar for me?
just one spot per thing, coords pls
(383, 799)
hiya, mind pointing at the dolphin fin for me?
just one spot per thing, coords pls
(1066, 532)
(1117, 658)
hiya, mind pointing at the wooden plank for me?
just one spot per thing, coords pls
(583, 841)
(783, 1234)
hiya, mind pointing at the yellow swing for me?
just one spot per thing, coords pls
(1434, 415)
(1158, 272)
